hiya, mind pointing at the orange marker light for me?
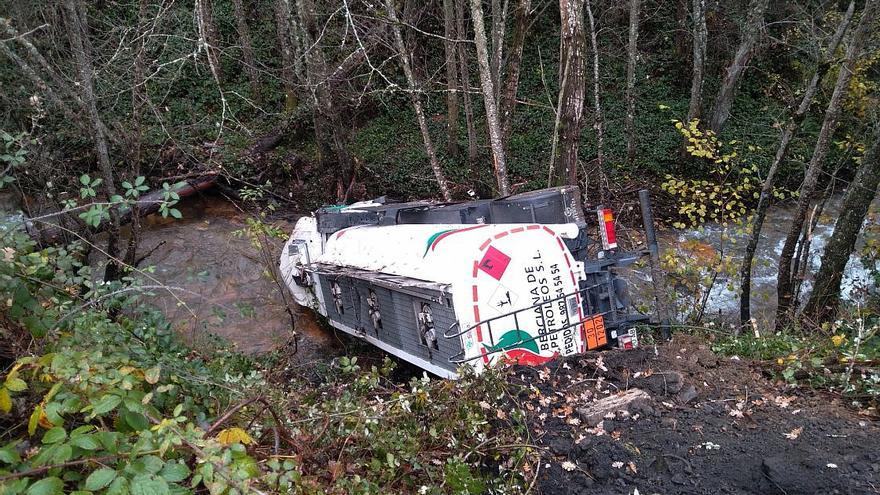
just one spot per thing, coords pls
(606, 229)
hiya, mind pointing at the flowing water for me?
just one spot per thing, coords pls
(711, 240)
(219, 283)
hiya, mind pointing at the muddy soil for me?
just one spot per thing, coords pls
(711, 425)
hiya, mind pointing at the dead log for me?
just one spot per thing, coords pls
(594, 412)
(64, 226)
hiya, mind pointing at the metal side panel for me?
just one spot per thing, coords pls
(348, 307)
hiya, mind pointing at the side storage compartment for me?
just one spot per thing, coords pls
(407, 322)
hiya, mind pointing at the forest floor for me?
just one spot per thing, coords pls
(708, 425)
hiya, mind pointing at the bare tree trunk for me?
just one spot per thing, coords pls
(814, 170)
(208, 37)
(415, 98)
(489, 98)
(331, 133)
(572, 84)
(632, 57)
(823, 302)
(62, 89)
(700, 36)
(40, 84)
(76, 30)
(751, 32)
(138, 101)
(788, 134)
(514, 63)
(286, 38)
(801, 261)
(465, 73)
(681, 36)
(499, 14)
(248, 59)
(598, 119)
(451, 78)
(802, 258)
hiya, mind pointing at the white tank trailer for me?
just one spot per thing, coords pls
(445, 285)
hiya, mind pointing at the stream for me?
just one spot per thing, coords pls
(723, 300)
(219, 282)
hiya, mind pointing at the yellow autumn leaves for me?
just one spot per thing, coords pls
(12, 383)
(722, 196)
(837, 340)
(230, 436)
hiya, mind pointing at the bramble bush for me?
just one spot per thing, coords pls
(107, 405)
(840, 357)
(103, 397)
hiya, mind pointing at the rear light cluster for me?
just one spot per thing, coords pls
(606, 229)
(628, 340)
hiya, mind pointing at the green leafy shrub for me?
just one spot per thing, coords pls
(109, 400)
(727, 188)
(842, 357)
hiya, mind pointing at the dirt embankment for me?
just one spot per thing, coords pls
(703, 424)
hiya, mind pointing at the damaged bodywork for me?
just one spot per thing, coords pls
(469, 283)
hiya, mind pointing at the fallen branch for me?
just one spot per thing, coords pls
(267, 407)
(52, 228)
(594, 412)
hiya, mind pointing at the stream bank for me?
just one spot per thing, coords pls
(226, 289)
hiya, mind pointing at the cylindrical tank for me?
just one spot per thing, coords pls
(514, 286)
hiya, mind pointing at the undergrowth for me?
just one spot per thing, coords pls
(842, 357)
(98, 395)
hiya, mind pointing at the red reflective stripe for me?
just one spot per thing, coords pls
(561, 245)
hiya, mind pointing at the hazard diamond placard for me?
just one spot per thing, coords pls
(494, 263)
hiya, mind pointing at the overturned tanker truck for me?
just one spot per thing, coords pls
(443, 285)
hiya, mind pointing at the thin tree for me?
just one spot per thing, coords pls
(825, 297)
(598, 119)
(751, 32)
(791, 129)
(570, 107)
(487, 85)
(513, 66)
(415, 99)
(39, 82)
(56, 88)
(784, 287)
(700, 37)
(248, 59)
(76, 32)
(632, 56)
(451, 78)
(208, 38)
(138, 101)
(499, 15)
(465, 78)
(330, 132)
(285, 31)
(681, 46)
